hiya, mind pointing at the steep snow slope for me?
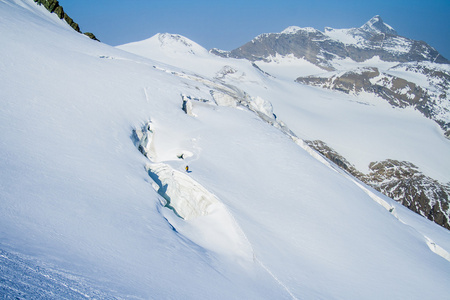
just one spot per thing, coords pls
(80, 207)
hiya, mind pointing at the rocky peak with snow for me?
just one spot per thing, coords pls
(374, 38)
(376, 25)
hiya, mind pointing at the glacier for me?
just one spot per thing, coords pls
(83, 216)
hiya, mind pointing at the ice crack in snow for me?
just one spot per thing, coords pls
(197, 214)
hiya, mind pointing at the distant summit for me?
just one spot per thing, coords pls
(374, 39)
(164, 44)
(296, 29)
(376, 25)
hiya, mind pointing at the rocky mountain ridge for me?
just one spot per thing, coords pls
(374, 38)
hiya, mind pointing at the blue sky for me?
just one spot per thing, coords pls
(229, 24)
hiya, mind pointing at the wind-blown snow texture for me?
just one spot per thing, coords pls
(83, 214)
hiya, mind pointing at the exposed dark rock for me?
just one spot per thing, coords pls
(259, 69)
(54, 7)
(50, 5)
(71, 23)
(59, 11)
(401, 181)
(91, 36)
(335, 157)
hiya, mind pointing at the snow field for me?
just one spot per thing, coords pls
(271, 222)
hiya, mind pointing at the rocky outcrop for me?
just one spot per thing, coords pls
(54, 7)
(401, 181)
(432, 101)
(91, 36)
(335, 157)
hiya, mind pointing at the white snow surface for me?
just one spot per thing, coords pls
(345, 36)
(81, 215)
(295, 29)
(288, 68)
(291, 30)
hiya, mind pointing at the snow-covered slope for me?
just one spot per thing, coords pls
(85, 214)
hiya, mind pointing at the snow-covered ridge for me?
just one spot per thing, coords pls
(374, 38)
(295, 29)
(348, 36)
(166, 42)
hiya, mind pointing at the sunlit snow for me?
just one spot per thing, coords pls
(96, 201)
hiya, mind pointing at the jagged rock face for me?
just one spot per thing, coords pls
(432, 102)
(302, 44)
(91, 36)
(54, 7)
(401, 181)
(374, 38)
(352, 81)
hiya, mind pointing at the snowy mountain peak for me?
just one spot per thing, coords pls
(376, 25)
(167, 43)
(167, 38)
(295, 29)
(291, 29)
(179, 43)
